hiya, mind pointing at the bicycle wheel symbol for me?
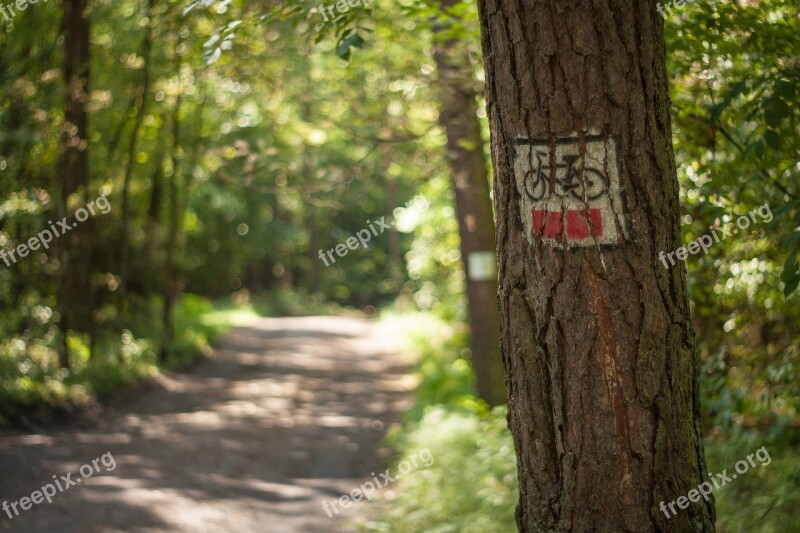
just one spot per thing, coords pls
(591, 186)
(567, 180)
(572, 184)
(535, 180)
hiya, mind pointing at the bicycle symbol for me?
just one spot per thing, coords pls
(567, 180)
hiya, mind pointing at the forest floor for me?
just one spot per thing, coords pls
(287, 413)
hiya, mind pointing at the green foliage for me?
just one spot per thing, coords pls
(109, 376)
(735, 85)
(268, 160)
(472, 484)
(444, 376)
(434, 260)
(242, 306)
(765, 498)
(33, 386)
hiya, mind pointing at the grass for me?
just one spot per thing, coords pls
(33, 387)
(472, 485)
(281, 302)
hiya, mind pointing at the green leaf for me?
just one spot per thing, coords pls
(791, 285)
(718, 109)
(773, 117)
(790, 275)
(773, 114)
(785, 208)
(348, 41)
(786, 89)
(793, 238)
(773, 140)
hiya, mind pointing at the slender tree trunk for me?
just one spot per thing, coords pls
(75, 250)
(11, 145)
(598, 348)
(141, 109)
(170, 293)
(395, 252)
(156, 228)
(396, 263)
(252, 272)
(156, 193)
(309, 211)
(194, 153)
(465, 154)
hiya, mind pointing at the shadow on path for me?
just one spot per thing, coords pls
(289, 412)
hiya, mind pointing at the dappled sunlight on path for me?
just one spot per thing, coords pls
(289, 412)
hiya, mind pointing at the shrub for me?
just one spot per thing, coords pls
(470, 487)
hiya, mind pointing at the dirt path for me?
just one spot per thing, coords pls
(288, 413)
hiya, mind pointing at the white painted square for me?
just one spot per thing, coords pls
(579, 202)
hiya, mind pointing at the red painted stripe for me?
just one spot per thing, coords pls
(579, 226)
(546, 223)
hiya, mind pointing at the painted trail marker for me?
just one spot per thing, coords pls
(570, 199)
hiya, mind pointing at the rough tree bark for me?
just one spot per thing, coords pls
(598, 349)
(459, 119)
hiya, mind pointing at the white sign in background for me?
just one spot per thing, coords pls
(482, 266)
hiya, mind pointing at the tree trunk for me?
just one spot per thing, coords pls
(171, 289)
(141, 109)
(396, 264)
(309, 210)
(395, 252)
(11, 147)
(599, 352)
(75, 248)
(459, 118)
